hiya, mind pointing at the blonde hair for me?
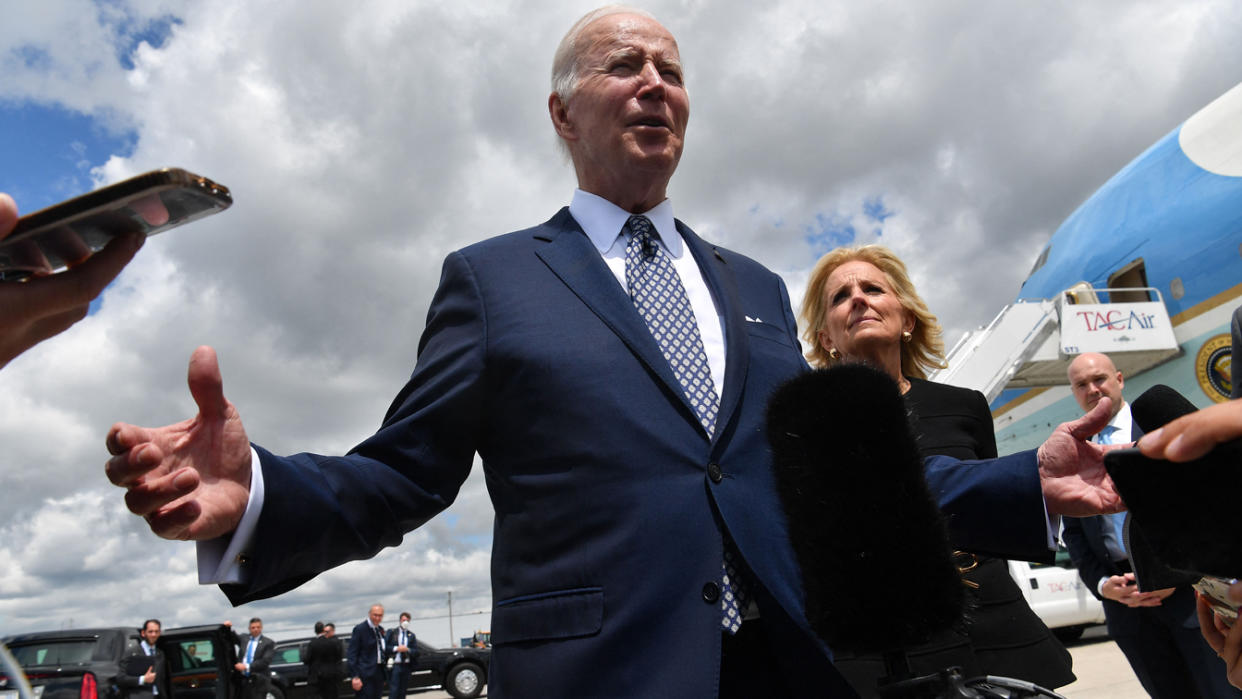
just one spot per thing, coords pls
(924, 351)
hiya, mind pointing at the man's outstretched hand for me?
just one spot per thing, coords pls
(1071, 469)
(190, 480)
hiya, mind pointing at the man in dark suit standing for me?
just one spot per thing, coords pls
(1158, 631)
(402, 651)
(612, 370)
(255, 652)
(323, 661)
(367, 654)
(144, 674)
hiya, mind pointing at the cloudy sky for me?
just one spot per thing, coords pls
(364, 141)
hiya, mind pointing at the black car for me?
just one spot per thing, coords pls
(84, 663)
(461, 672)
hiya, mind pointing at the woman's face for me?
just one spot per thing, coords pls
(864, 315)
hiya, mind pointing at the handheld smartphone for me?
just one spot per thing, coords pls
(64, 234)
(1216, 591)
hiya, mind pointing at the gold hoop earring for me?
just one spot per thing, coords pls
(906, 336)
(834, 353)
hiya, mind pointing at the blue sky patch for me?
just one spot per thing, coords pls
(56, 149)
(830, 231)
(874, 209)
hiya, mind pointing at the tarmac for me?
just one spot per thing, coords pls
(1102, 671)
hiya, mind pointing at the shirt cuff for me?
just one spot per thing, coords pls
(220, 559)
(1099, 586)
(1053, 523)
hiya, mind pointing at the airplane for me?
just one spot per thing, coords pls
(1147, 270)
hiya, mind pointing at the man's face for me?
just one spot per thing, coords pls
(1092, 376)
(376, 614)
(151, 633)
(628, 114)
(329, 631)
(256, 628)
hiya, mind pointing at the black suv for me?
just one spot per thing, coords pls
(461, 672)
(84, 663)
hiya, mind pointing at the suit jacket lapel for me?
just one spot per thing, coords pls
(723, 286)
(571, 256)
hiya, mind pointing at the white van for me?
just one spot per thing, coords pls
(1058, 595)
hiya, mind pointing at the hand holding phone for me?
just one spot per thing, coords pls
(45, 306)
(112, 222)
(1216, 592)
(66, 234)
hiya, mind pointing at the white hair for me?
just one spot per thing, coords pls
(565, 62)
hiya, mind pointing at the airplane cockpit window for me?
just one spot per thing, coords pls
(1039, 261)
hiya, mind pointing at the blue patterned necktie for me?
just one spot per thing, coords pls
(661, 300)
(1113, 527)
(1106, 435)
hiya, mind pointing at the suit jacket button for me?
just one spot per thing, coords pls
(714, 473)
(711, 593)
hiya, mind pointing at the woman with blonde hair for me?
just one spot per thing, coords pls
(860, 306)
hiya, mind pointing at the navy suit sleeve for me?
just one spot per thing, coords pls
(994, 506)
(354, 653)
(1090, 568)
(402, 476)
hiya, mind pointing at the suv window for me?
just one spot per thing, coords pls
(191, 653)
(291, 654)
(68, 652)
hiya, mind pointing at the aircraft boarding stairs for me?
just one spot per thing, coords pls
(1031, 342)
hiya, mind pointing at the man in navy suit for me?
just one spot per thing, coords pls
(626, 470)
(402, 647)
(366, 655)
(1157, 630)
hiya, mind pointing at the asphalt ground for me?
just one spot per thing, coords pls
(1102, 671)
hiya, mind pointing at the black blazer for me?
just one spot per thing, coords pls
(134, 667)
(264, 653)
(323, 659)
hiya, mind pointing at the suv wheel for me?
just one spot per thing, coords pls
(464, 681)
(274, 692)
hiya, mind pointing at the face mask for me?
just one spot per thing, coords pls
(405, 625)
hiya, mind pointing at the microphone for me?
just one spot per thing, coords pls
(1181, 514)
(862, 521)
(1158, 406)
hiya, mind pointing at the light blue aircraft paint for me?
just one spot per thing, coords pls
(1173, 218)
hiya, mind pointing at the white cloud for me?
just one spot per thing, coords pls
(363, 142)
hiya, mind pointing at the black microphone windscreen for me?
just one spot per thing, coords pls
(1180, 527)
(1158, 406)
(871, 541)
